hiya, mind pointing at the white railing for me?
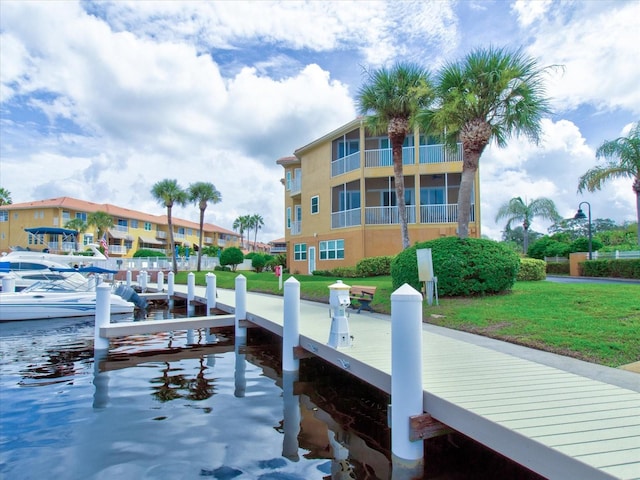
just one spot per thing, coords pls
(616, 255)
(383, 157)
(556, 259)
(296, 228)
(208, 240)
(178, 236)
(439, 154)
(346, 218)
(117, 249)
(161, 234)
(120, 228)
(445, 213)
(388, 215)
(222, 242)
(296, 186)
(345, 164)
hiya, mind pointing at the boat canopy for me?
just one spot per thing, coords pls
(89, 269)
(51, 230)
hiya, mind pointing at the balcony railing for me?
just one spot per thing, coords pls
(178, 236)
(120, 228)
(222, 242)
(161, 234)
(346, 218)
(439, 154)
(388, 215)
(296, 186)
(345, 164)
(296, 228)
(383, 157)
(445, 213)
(117, 250)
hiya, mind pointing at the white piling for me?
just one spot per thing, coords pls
(103, 316)
(160, 281)
(406, 380)
(291, 325)
(240, 376)
(292, 417)
(142, 280)
(241, 305)
(128, 278)
(211, 292)
(191, 289)
(8, 284)
(170, 287)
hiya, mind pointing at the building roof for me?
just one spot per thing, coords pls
(347, 127)
(114, 211)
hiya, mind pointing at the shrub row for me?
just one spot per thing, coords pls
(616, 268)
(367, 267)
(558, 268)
(531, 269)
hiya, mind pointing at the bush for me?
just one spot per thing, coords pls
(345, 272)
(470, 266)
(627, 268)
(558, 268)
(532, 269)
(548, 247)
(220, 268)
(147, 253)
(258, 261)
(582, 245)
(374, 266)
(231, 256)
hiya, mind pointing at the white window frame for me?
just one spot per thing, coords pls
(332, 249)
(289, 218)
(300, 252)
(317, 204)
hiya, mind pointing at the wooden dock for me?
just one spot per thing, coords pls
(559, 424)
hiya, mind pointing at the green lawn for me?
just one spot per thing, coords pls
(595, 322)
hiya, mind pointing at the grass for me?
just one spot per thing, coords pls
(598, 323)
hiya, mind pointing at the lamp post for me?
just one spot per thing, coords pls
(581, 216)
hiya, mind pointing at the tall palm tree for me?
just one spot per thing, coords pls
(79, 225)
(168, 193)
(203, 193)
(5, 196)
(257, 222)
(623, 155)
(391, 98)
(102, 222)
(241, 224)
(516, 210)
(491, 94)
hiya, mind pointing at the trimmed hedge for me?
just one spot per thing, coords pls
(374, 266)
(532, 269)
(464, 267)
(558, 268)
(146, 253)
(616, 268)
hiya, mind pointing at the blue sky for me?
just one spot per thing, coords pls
(100, 100)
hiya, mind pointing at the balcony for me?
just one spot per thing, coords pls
(445, 213)
(161, 234)
(222, 242)
(346, 218)
(383, 157)
(117, 250)
(178, 236)
(296, 228)
(439, 154)
(296, 186)
(345, 164)
(120, 228)
(388, 215)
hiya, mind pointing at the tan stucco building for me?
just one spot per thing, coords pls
(340, 203)
(132, 230)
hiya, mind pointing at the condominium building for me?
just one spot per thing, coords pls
(132, 230)
(340, 197)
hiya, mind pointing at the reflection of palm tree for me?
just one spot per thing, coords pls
(170, 385)
(200, 388)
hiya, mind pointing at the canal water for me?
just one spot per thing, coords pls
(186, 405)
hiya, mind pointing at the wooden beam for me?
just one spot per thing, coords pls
(299, 353)
(423, 427)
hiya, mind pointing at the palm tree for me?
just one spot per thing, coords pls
(202, 193)
(242, 225)
(168, 193)
(77, 224)
(392, 98)
(623, 156)
(5, 197)
(102, 222)
(257, 222)
(492, 94)
(516, 210)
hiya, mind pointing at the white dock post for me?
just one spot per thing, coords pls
(142, 280)
(240, 376)
(103, 316)
(291, 325)
(8, 285)
(128, 278)
(170, 286)
(292, 416)
(241, 305)
(191, 288)
(406, 381)
(211, 292)
(160, 281)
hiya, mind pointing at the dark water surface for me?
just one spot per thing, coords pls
(181, 406)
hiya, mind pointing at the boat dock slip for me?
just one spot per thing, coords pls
(554, 421)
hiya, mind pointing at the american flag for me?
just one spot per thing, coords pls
(104, 244)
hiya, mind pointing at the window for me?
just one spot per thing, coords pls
(432, 196)
(300, 251)
(147, 226)
(332, 250)
(82, 216)
(388, 197)
(87, 238)
(348, 200)
(66, 216)
(134, 223)
(122, 223)
(351, 146)
(288, 181)
(4, 216)
(315, 205)
(288, 217)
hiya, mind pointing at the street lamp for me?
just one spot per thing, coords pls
(581, 216)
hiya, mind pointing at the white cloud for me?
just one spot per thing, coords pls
(530, 11)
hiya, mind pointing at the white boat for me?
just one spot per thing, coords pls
(57, 299)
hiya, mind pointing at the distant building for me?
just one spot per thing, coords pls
(340, 198)
(132, 230)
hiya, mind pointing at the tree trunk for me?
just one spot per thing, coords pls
(636, 188)
(200, 237)
(464, 201)
(397, 131)
(525, 240)
(173, 245)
